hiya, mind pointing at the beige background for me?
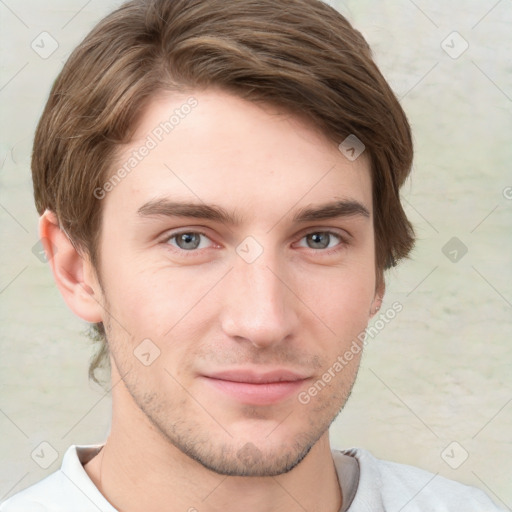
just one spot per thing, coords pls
(439, 373)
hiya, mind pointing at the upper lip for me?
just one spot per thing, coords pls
(257, 377)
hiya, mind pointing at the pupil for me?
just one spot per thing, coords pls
(188, 241)
(320, 240)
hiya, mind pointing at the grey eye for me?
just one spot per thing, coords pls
(319, 240)
(188, 241)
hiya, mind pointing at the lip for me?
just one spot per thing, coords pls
(256, 388)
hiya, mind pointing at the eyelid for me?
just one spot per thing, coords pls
(169, 235)
(343, 236)
(341, 233)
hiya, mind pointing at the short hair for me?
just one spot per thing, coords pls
(300, 55)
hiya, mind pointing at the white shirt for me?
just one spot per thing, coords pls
(368, 485)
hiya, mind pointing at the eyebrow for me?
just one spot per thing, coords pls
(167, 208)
(335, 209)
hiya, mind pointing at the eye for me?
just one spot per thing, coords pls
(321, 240)
(189, 240)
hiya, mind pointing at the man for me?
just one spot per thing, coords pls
(218, 183)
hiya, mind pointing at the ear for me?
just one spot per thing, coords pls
(74, 274)
(380, 290)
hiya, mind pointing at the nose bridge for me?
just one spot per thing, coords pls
(259, 307)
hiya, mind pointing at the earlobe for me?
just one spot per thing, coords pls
(72, 272)
(377, 299)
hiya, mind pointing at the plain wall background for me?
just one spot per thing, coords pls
(437, 374)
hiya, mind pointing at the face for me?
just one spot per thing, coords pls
(237, 267)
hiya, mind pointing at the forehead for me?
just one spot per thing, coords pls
(213, 147)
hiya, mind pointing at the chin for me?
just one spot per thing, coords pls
(249, 460)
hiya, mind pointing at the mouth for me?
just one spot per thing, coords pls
(256, 388)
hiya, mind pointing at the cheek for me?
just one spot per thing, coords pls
(341, 315)
(341, 296)
(154, 300)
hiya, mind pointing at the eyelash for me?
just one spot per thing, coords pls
(343, 242)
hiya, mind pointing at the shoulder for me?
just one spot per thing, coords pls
(391, 485)
(51, 494)
(67, 489)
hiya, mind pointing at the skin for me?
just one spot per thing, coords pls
(175, 437)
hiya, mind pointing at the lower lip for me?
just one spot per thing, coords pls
(257, 394)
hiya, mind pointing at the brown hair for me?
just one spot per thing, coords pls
(301, 55)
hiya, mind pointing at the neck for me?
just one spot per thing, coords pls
(139, 469)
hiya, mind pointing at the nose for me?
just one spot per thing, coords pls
(259, 307)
